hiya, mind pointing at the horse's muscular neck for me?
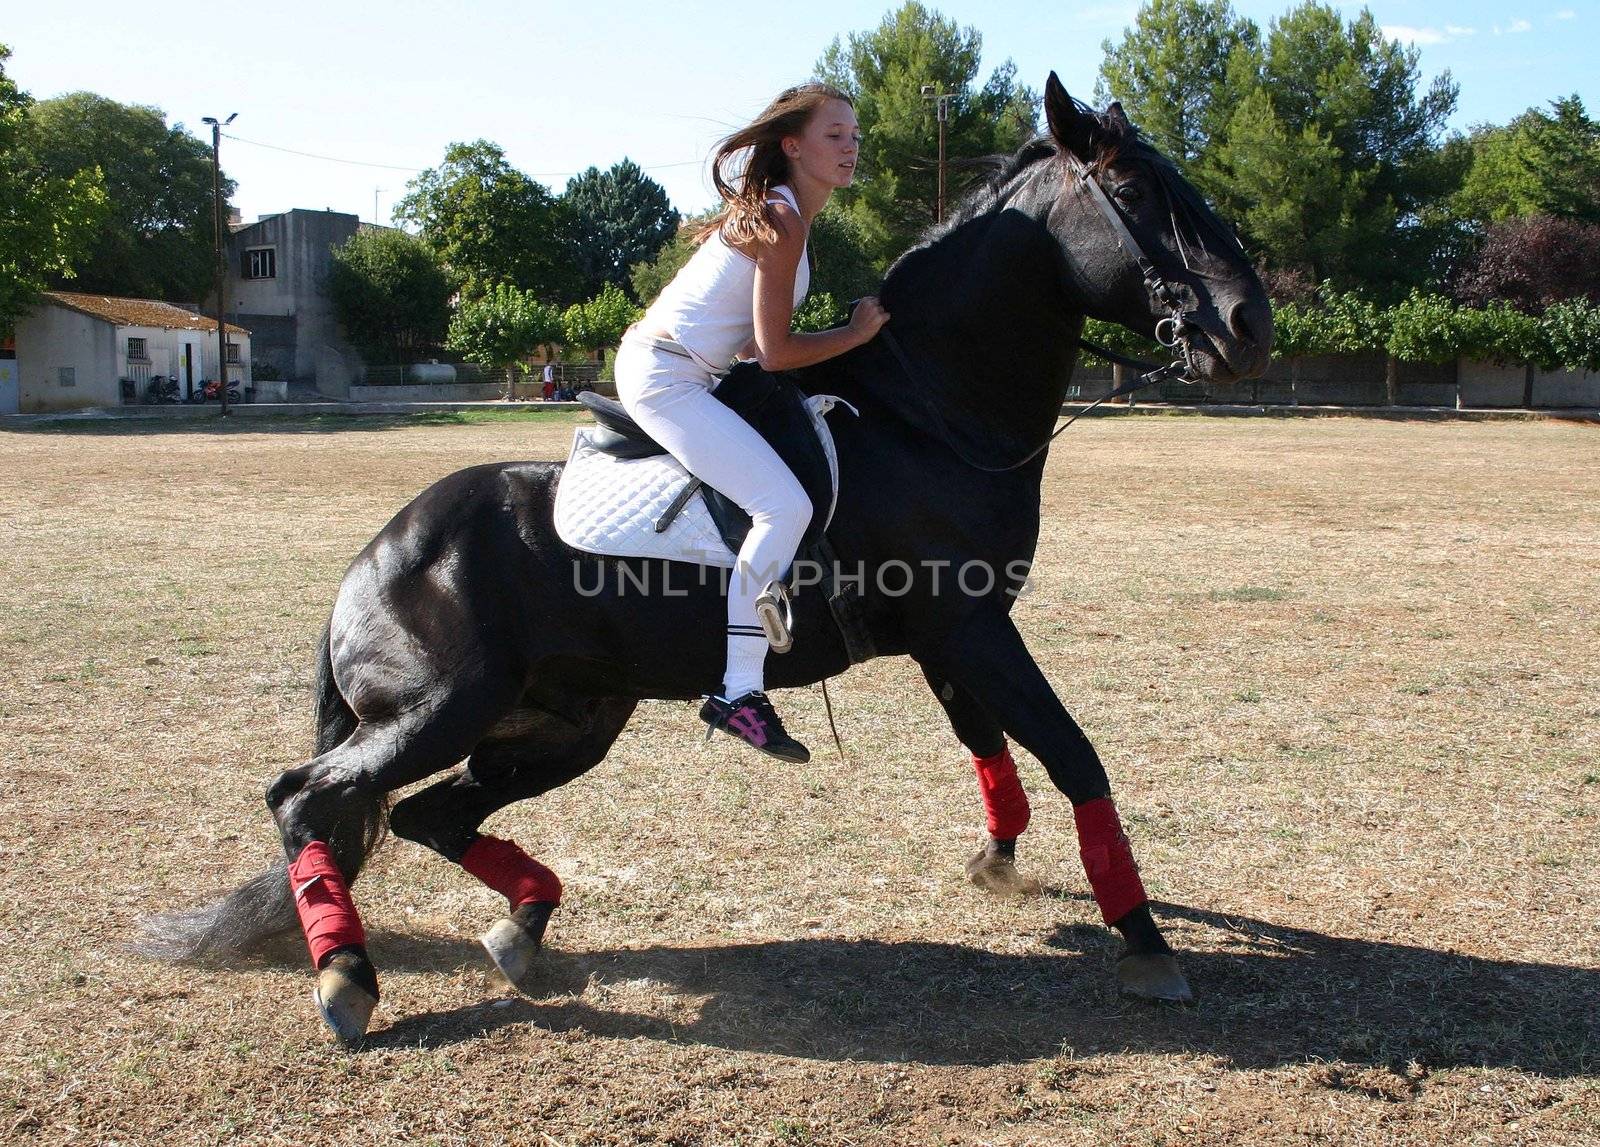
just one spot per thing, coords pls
(982, 311)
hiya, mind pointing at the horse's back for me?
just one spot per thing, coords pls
(445, 582)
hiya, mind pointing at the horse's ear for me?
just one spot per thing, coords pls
(1072, 128)
(1118, 118)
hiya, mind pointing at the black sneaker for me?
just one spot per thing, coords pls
(752, 719)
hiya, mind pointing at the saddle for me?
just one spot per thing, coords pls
(624, 495)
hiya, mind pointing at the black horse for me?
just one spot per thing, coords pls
(467, 631)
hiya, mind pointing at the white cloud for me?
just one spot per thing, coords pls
(1513, 28)
(1566, 14)
(1410, 35)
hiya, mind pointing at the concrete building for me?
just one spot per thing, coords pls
(78, 351)
(277, 267)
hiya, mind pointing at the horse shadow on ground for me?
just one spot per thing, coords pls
(1269, 996)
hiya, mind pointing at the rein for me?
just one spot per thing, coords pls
(1171, 332)
(1153, 374)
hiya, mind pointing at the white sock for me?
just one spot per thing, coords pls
(747, 660)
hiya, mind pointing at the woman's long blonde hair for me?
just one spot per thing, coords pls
(744, 187)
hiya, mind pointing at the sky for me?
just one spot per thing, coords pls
(368, 95)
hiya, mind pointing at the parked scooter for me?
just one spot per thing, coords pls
(211, 391)
(161, 390)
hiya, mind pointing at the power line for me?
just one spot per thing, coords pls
(414, 170)
(324, 158)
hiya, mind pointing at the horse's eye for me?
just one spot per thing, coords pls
(1128, 195)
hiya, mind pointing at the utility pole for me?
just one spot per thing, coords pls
(221, 265)
(941, 104)
(375, 192)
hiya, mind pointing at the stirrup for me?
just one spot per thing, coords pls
(775, 612)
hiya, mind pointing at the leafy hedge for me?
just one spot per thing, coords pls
(1431, 328)
(1121, 340)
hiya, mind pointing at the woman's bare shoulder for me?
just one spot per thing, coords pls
(790, 228)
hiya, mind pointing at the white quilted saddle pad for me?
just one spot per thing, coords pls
(607, 505)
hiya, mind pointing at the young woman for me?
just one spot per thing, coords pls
(736, 297)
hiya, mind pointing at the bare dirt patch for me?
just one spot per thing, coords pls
(1343, 674)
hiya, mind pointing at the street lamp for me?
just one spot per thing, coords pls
(941, 104)
(221, 264)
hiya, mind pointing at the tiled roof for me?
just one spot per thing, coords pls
(137, 312)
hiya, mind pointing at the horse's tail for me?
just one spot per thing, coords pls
(333, 717)
(262, 907)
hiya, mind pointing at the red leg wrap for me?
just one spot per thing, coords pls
(511, 872)
(321, 896)
(1108, 859)
(1003, 799)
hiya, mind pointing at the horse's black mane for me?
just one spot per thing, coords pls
(1115, 137)
(996, 173)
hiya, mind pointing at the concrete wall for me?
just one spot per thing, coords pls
(424, 392)
(1360, 380)
(1491, 383)
(338, 367)
(52, 340)
(291, 316)
(1558, 388)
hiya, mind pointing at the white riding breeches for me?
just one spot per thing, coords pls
(668, 393)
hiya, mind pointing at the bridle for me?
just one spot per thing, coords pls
(1172, 332)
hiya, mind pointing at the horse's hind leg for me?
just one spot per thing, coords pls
(329, 813)
(531, 752)
(1005, 805)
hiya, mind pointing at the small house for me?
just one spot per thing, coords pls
(76, 351)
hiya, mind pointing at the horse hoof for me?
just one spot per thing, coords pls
(345, 1005)
(1153, 976)
(998, 875)
(515, 942)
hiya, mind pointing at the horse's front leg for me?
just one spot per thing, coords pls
(1005, 804)
(987, 656)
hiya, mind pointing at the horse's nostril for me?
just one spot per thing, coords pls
(1239, 324)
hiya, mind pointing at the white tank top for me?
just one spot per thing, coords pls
(709, 307)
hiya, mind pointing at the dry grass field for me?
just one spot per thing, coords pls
(1345, 675)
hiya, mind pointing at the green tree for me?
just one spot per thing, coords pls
(818, 311)
(651, 277)
(502, 326)
(842, 265)
(1293, 199)
(620, 218)
(600, 321)
(1171, 73)
(1571, 331)
(390, 293)
(1334, 109)
(46, 220)
(156, 239)
(883, 71)
(489, 223)
(1541, 163)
